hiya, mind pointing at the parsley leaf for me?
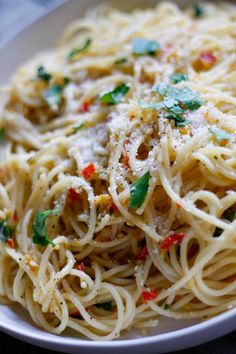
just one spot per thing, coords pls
(43, 75)
(53, 96)
(175, 102)
(39, 224)
(5, 232)
(105, 305)
(138, 191)
(142, 46)
(219, 134)
(115, 96)
(2, 134)
(77, 128)
(186, 97)
(198, 11)
(121, 60)
(75, 51)
(178, 77)
(166, 307)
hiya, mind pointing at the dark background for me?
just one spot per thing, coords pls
(12, 14)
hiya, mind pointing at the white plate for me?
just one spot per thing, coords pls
(171, 334)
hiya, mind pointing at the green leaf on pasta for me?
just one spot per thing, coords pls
(138, 191)
(199, 11)
(43, 75)
(2, 134)
(75, 51)
(178, 77)
(219, 134)
(5, 232)
(142, 46)
(39, 227)
(115, 96)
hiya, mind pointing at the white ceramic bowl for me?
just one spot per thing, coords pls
(171, 334)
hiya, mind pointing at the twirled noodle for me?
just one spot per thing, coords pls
(117, 172)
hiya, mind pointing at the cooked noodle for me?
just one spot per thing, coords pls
(80, 158)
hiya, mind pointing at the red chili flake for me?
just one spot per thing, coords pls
(171, 240)
(178, 205)
(10, 243)
(76, 314)
(88, 171)
(73, 195)
(126, 160)
(113, 207)
(15, 218)
(85, 107)
(149, 295)
(208, 58)
(205, 61)
(80, 267)
(143, 253)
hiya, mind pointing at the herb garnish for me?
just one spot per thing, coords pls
(138, 191)
(5, 232)
(121, 60)
(75, 51)
(105, 305)
(219, 134)
(178, 77)
(174, 96)
(198, 11)
(115, 96)
(39, 224)
(175, 102)
(166, 307)
(142, 46)
(2, 134)
(43, 75)
(53, 96)
(77, 128)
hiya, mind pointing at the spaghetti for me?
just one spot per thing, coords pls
(117, 172)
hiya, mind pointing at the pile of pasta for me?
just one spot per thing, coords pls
(118, 172)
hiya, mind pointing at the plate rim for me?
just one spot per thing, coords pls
(157, 338)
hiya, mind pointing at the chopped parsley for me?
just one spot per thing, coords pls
(178, 77)
(2, 134)
(174, 96)
(77, 128)
(5, 232)
(53, 96)
(219, 134)
(142, 46)
(166, 307)
(39, 225)
(138, 191)
(105, 305)
(175, 102)
(75, 51)
(115, 96)
(121, 60)
(43, 75)
(198, 11)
